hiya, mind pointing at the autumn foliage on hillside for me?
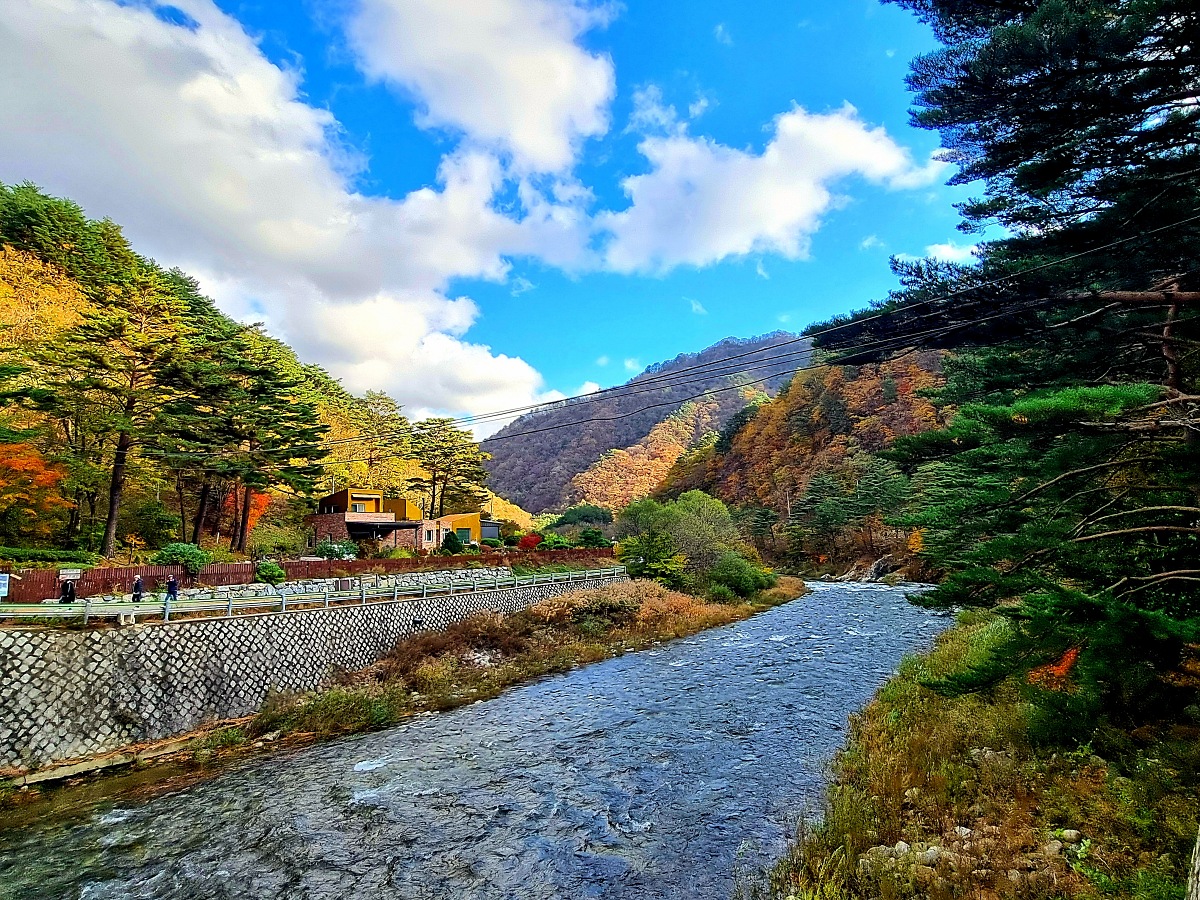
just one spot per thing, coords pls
(821, 421)
(622, 476)
(535, 458)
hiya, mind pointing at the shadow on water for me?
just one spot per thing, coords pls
(652, 775)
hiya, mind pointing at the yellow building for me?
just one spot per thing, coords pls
(471, 528)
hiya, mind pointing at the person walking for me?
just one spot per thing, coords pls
(138, 589)
(68, 592)
(172, 589)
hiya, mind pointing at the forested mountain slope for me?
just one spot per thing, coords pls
(536, 457)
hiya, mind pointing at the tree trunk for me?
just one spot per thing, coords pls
(237, 518)
(244, 526)
(1193, 887)
(76, 520)
(115, 488)
(182, 511)
(201, 512)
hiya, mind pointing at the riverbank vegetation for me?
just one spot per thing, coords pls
(478, 658)
(942, 795)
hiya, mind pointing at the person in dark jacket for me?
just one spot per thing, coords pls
(68, 592)
(138, 589)
(172, 588)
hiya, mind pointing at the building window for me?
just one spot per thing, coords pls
(358, 507)
(429, 535)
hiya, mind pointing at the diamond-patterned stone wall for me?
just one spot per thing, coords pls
(70, 694)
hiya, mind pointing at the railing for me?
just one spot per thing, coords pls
(227, 607)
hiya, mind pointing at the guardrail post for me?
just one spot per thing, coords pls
(167, 608)
(229, 607)
(424, 589)
(327, 598)
(395, 591)
(87, 609)
(363, 586)
(282, 602)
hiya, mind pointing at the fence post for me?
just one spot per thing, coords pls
(395, 591)
(282, 601)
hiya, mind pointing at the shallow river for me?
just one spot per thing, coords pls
(657, 774)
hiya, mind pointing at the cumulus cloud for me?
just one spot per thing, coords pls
(702, 202)
(963, 254)
(696, 306)
(509, 74)
(191, 138)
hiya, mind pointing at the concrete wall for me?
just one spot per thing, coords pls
(69, 694)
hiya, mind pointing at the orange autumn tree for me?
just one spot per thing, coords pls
(29, 494)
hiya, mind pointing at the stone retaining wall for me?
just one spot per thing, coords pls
(66, 694)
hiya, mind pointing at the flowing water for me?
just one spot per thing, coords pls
(653, 775)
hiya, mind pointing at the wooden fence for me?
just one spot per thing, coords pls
(35, 585)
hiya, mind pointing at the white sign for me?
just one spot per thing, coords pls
(69, 574)
(3, 584)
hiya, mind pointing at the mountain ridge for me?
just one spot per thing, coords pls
(536, 470)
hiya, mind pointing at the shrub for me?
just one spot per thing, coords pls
(593, 539)
(452, 544)
(401, 553)
(189, 556)
(269, 572)
(653, 555)
(328, 549)
(530, 541)
(269, 540)
(719, 593)
(740, 575)
(511, 540)
(553, 541)
(492, 542)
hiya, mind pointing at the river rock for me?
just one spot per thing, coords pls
(881, 567)
(1071, 836)
(901, 848)
(1052, 848)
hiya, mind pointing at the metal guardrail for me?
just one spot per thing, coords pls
(228, 607)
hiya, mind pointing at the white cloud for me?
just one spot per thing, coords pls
(699, 107)
(702, 202)
(632, 365)
(602, 361)
(651, 114)
(953, 252)
(870, 242)
(588, 387)
(510, 74)
(206, 153)
(761, 271)
(721, 33)
(696, 307)
(521, 285)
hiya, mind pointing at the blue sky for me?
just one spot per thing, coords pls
(433, 197)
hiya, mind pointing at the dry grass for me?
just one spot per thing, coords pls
(960, 775)
(481, 656)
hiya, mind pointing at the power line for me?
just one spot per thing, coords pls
(716, 368)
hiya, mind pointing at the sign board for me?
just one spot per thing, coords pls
(70, 574)
(3, 584)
